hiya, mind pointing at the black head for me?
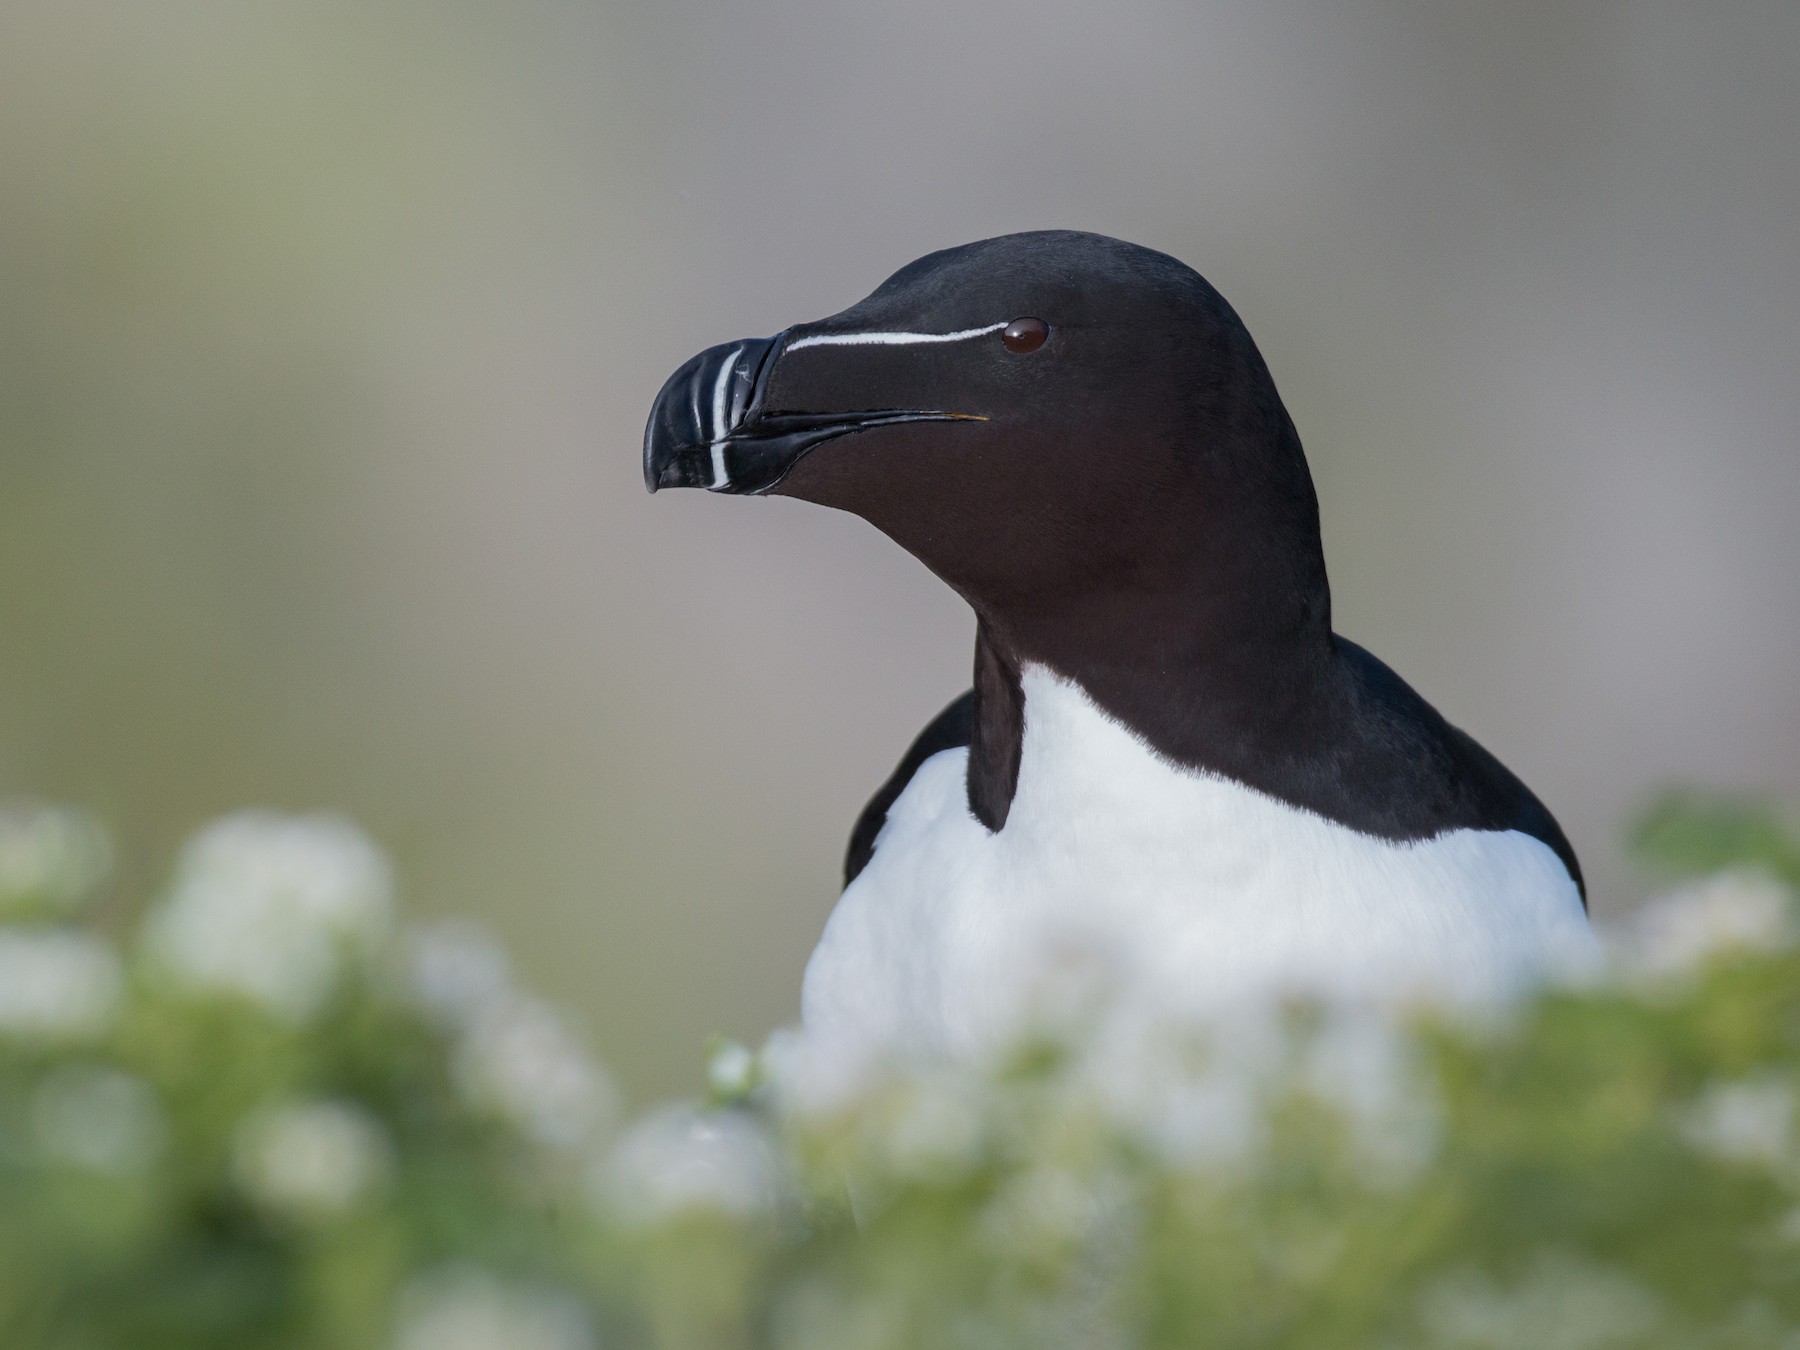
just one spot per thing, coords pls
(1049, 421)
(1079, 435)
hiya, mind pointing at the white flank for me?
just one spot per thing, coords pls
(1193, 889)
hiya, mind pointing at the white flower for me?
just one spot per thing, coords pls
(1563, 1303)
(56, 984)
(679, 1159)
(1191, 1089)
(99, 1118)
(816, 1075)
(267, 906)
(933, 1128)
(1209, 1120)
(456, 970)
(1366, 1066)
(520, 1060)
(1750, 1122)
(468, 1308)
(49, 858)
(731, 1070)
(310, 1160)
(1045, 1205)
(1675, 934)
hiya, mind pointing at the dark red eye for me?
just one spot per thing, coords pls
(1025, 335)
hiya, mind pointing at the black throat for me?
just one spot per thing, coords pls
(1209, 677)
(997, 734)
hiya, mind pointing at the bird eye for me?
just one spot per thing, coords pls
(1025, 335)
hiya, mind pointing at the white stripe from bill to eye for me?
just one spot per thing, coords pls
(890, 339)
(719, 429)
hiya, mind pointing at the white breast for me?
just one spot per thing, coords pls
(1194, 888)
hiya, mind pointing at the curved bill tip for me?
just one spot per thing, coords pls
(700, 405)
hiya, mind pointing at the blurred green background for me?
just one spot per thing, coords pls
(327, 332)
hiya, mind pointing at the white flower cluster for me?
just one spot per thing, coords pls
(310, 1160)
(97, 1117)
(456, 971)
(50, 859)
(470, 1308)
(1672, 937)
(1192, 1085)
(270, 907)
(521, 1059)
(683, 1159)
(57, 984)
(514, 1054)
(1744, 1122)
(1564, 1302)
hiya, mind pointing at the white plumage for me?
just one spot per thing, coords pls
(1196, 889)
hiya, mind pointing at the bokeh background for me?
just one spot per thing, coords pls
(327, 332)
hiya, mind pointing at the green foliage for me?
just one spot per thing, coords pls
(1689, 834)
(275, 1117)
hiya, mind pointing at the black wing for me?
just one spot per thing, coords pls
(1428, 761)
(952, 727)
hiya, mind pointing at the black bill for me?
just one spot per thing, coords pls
(709, 429)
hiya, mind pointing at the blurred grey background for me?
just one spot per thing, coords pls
(327, 333)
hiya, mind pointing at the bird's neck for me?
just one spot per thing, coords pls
(1214, 677)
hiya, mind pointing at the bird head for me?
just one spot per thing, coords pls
(1037, 417)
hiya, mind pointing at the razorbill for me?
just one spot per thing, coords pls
(1167, 752)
